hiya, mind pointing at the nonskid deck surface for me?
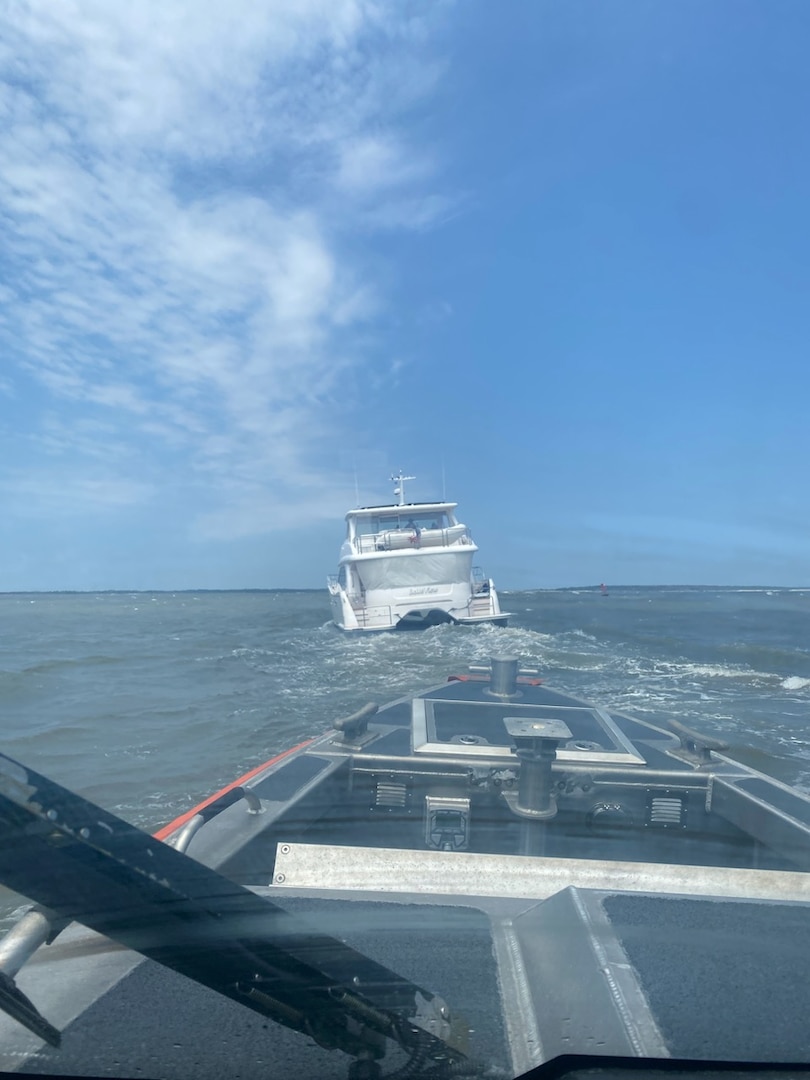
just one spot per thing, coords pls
(753, 1006)
(583, 972)
(624, 789)
(663, 977)
(155, 1023)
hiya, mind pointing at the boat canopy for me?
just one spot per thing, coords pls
(402, 509)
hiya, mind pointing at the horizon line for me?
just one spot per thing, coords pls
(313, 589)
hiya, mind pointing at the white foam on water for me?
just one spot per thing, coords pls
(721, 671)
(795, 682)
(582, 634)
(677, 670)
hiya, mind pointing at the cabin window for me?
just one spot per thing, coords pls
(342, 577)
(424, 521)
(402, 522)
(365, 526)
(407, 521)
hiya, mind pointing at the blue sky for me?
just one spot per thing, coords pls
(558, 251)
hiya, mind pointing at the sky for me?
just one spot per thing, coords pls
(551, 257)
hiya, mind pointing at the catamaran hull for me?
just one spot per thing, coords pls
(461, 608)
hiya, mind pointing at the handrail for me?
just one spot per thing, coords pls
(183, 835)
(23, 940)
(182, 839)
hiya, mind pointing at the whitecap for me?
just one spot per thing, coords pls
(794, 682)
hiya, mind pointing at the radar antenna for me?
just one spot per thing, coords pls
(399, 490)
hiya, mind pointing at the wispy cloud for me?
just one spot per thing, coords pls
(176, 187)
(43, 493)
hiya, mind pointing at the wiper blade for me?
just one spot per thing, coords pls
(14, 1002)
(88, 865)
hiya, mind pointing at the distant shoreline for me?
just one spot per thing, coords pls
(270, 591)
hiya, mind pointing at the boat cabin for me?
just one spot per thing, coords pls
(391, 528)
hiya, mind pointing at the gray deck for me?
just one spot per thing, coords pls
(145, 1026)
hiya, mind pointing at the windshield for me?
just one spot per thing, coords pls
(406, 519)
(543, 262)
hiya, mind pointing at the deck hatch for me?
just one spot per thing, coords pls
(474, 729)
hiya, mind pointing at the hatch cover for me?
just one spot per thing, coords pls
(467, 729)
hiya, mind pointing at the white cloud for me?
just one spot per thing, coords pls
(370, 163)
(44, 493)
(175, 185)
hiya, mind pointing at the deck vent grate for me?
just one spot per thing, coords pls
(391, 794)
(666, 809)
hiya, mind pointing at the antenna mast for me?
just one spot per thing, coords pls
(400, 488)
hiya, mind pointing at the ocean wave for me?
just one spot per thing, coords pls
(757, 654)
(719, 671)
(197, 700)
(675, 670)
(795, 682)
(62, 663)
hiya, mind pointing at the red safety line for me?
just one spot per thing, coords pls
(167, 830)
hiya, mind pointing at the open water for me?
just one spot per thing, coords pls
(148, 702)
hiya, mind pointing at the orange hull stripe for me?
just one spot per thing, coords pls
(167, 830)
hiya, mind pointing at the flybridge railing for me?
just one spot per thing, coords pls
(412, 539)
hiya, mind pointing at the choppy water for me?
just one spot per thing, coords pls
(147, 702)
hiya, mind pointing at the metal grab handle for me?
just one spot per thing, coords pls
(16, 948)
(23, 940)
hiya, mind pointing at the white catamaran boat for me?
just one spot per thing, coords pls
(408, 566)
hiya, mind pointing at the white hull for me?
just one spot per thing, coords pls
(391, 609)
(407, 567)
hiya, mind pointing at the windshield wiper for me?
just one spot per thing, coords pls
(84, 864)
